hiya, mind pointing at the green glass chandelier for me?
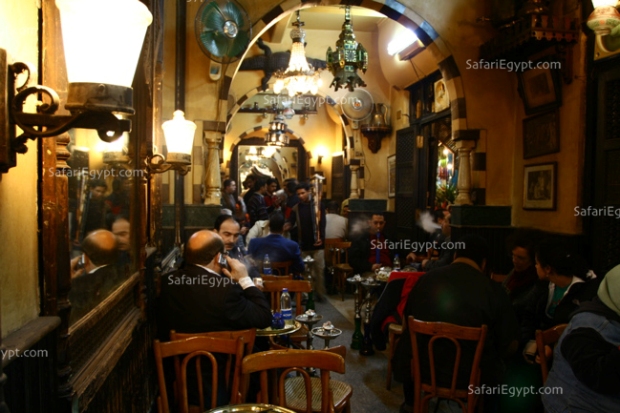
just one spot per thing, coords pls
(348, 57)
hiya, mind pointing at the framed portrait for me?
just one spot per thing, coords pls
(391, 176)
(540, 186)
(541, 135)
(442, 100)
(540, 87)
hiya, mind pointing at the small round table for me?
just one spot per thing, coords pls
(250, 407)
(309, 321)
(271, 332)
(326, 334)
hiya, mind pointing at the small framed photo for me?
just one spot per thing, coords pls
(442, 100)
(540, 186)
(541, 135)
(391, 176)
(540, 87)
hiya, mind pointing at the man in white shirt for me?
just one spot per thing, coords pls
(336, 226)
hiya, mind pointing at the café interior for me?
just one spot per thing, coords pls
(503, 111)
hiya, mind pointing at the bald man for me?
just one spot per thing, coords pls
(94, 274)
(202, 296)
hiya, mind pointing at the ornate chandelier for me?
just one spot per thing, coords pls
(347, 58)
(299, 77)
(276, 135)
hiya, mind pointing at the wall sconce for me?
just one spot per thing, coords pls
(101, 63)
(179, 135)
(605, 22)
(319, 159)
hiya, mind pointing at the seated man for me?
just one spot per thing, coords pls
(276, 246)
(369, 251)
(203, 296)
(336, 226)
(439, 230)
(461, 294)
(587, 358)
(229, 229)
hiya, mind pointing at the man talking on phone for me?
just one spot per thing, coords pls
(202, 296)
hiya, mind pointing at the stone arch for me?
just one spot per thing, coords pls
(400, 13)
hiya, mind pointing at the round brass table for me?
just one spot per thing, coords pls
(250, 407)
(271, 332)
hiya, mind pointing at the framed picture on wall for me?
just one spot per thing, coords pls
(391, 176)
(541, 135)
(540, 87)
(540, 186)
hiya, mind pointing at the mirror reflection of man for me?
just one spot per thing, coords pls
(94, 211)
(120, 229)
(93, 274)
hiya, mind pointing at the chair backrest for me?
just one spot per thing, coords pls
(248, 336)
(336, 251)
(544, 338)
(199, 348)
(294, 286)
(439, 331)
(281, 267)
(276, 277)
(293, 361)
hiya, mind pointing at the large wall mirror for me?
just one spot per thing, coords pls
(253, 156)
(100, 184)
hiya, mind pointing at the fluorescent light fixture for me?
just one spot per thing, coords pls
(401, 41)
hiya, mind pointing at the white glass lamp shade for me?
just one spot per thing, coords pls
(103, 39)
(179, 135)
(604, 3)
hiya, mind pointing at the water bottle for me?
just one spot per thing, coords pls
(396, 263)
(267, 265)
(285, 307)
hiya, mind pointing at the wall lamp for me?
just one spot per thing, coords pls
(605, 21)
(102, 43)
(179, 136)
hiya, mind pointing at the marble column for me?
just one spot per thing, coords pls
(354, 191)
(213, 181)
(464, 149)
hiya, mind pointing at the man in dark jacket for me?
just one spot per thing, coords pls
(309, 234)
(586, 361)
(278, 248)
(198, 298)
(461, 294)
(370, 250)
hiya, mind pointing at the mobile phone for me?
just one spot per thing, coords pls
(222, 260)
(80, 264)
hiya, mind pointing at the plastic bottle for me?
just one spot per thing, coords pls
(267, 265)
(285, 307)
(396, 263)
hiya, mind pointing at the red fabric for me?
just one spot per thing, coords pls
(384, 253)
(411, 280)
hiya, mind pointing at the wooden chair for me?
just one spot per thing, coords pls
(281, 267)
(248, 336)
(394, 333)
(302, 393)
(340, 268)
(183, 352)
(276, 277)
(453, 333)
(294, 286)
(548, 337)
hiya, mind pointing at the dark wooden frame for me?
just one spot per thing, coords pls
(532, 204)
(532, 82)
(541, 135)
